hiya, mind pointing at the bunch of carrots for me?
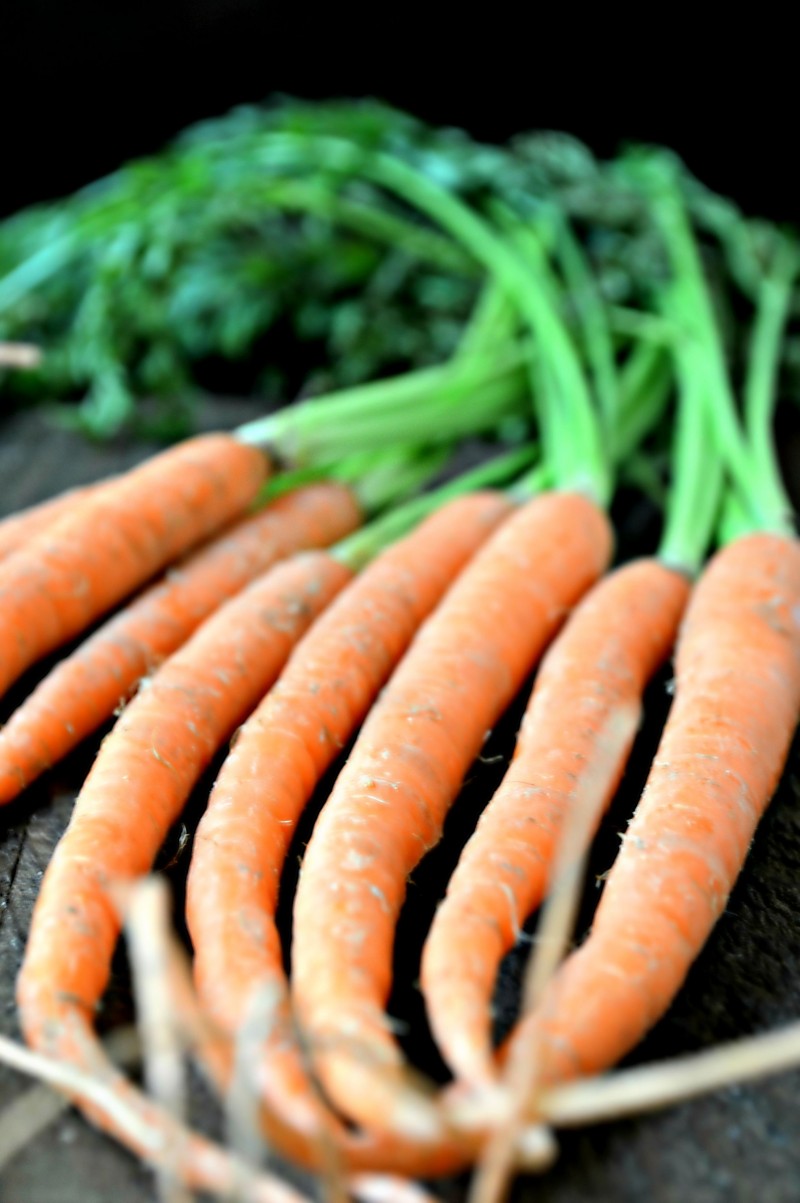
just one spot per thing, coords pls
(304, 595)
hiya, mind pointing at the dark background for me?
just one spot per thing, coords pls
(87, 84)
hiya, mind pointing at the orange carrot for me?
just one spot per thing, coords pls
(389, 803)
(84, 689)
(720, 758)
(17, 529)
(573, 745)
(76, 570)
(136, 789)
(279, 757)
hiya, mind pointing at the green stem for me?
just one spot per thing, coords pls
(645, 381)
(760, 487)
(642, 472)
(383, 484)
(593, 318)
(481, 409)
(361, 547)
(585, 468)
(537, 481)
(492, 322)
(697, 475)
(570, 443)
(644, 327)
(735, 518)
(312, 196)
(774, 299)
(400, 401)
(37, 269)
(377, 477)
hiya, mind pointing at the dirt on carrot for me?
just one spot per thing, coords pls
(114, 542)
(574, 740)
(85, 689)
(407, 766)
(737, 700)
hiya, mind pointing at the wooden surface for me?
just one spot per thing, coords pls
(742, 1144)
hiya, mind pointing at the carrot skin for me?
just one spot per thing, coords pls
(278, 758)
(17, 529)
(574, 741)
(84, 564)
(389, 803)
(135, 791)
(142, 777)
(723, 749)
(84, 690)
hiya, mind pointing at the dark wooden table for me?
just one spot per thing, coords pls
(741, 1144)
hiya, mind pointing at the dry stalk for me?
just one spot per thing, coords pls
(19, 355)
(30, 1114)
(149, 948)
(494, 1171)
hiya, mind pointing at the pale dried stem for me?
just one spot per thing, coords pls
(149, 949)
(33, 1112)
(650, 1087)
(560, 907)
(242, 1106)
(133, 1126)
(19, 355)
(386, 1188)
(61, 1075)
(494, 1171)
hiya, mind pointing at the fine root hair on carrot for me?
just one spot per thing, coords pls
(147, 925)
(666, 1083)
(34, 1111)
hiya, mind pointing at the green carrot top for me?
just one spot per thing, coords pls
(758, 500)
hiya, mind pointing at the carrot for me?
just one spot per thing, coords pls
(83, 690)
(736, 705)
(136, 789)
(571, 750)
(78, 569)
(737, 701)
(389, 803)
(574, 741)
(18, 528)
(279, 756)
